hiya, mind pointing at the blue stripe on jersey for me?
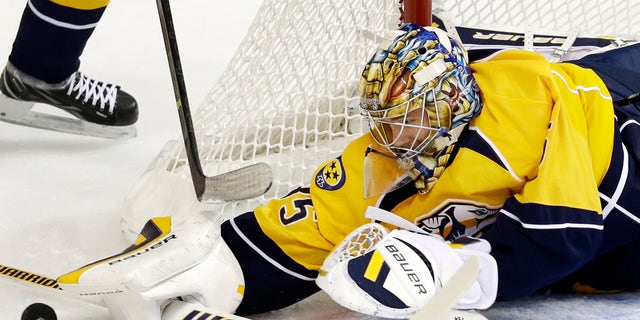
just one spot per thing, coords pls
(614, 267)
(618, 69)
(553, 245)
(477, 143)
(548, 250)
(65, 17)
(617, 176)
(392, 199)
(620, 187)
(537, 216)
(267, 270)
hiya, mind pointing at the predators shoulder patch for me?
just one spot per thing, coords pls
(331, 175)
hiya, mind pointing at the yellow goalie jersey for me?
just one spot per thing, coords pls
(525, 176)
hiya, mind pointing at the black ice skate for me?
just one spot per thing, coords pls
(101, 109)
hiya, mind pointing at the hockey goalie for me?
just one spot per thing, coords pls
(523, 164)
(179, 269)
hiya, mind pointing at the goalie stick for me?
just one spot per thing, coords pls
(176, 310)
(43, 285)
(243, 183)
(441, 305)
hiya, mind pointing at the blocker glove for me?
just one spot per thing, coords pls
(394, 274)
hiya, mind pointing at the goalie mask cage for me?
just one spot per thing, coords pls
(289, 96)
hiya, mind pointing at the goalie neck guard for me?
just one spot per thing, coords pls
(418, 94)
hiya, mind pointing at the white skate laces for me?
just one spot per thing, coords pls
(102, 95)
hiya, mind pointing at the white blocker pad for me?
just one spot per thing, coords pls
(159, 190)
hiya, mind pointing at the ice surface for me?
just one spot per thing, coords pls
(59, 193)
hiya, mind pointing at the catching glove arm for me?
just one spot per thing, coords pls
(394, 274)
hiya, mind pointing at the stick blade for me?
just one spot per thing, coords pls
(240, 184)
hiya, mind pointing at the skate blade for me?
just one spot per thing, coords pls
(21, 113)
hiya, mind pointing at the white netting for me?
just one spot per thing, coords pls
(358, 243)
(289, 95)
(588, 17)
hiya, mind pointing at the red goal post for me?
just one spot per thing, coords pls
(416, 11)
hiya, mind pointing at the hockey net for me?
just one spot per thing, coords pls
(289, 95)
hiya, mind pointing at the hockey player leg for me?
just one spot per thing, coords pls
(216, 282)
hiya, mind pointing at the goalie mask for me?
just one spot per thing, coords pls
(418, 95)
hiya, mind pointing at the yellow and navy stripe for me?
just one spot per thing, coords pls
(155, 229)
(69, 14)
(370, 272)
(29, 277)
(200, 315)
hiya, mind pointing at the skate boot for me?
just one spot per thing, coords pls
(91, 101)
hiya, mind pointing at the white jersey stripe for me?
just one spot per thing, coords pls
(582, 88)
(495, 149)
(611, 203)
(264, 255)
(59, 23)
(551, 226)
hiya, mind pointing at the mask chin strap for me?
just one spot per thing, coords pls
(448, 138)
(426, 170)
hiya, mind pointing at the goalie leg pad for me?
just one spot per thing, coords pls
(217, 282)
(165, 247)
(169, 259)
(129, 306)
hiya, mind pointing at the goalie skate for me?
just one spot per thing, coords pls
(101, 110)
